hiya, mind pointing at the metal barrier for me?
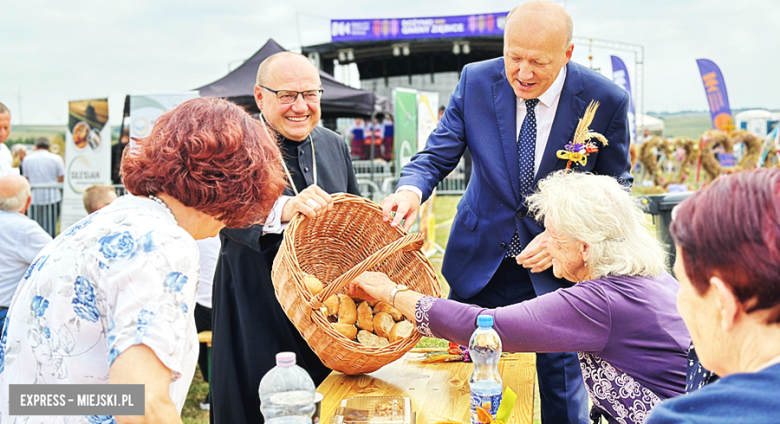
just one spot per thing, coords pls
(120, 190)
(381, 182)
(46, 212)
(374, 185)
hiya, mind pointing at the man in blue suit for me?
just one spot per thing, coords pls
(514, 114)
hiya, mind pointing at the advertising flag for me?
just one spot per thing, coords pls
(620, 77)
(144, 110)
(427, 116)
(405, 142)
(715, 88)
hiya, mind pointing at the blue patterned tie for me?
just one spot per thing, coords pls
(526, 149)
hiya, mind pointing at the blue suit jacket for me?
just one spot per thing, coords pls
(482, 115)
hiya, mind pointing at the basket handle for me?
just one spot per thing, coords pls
(406, 243)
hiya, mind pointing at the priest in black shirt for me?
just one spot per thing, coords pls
(249, 325)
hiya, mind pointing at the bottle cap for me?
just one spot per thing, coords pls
(285, 359)
(485, 320)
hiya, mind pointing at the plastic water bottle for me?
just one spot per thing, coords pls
(485, 381)
(287, 393)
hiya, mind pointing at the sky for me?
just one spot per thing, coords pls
(52, 52)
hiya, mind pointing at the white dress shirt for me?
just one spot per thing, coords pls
(21, 239)
(209, 254)
(6, 160)
(274, 224)
(545, 115)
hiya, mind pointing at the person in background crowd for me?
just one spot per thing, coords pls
(514, 113)
(646, 136)
(97, 197)
(112, 299)
(21, 238)
(249, 325)
(44, 167)
(728, 256)
(6, 159)
(18, 151)
(209, 254)
(387, 138)
(356, 137)
(373, 139)
(116, 156)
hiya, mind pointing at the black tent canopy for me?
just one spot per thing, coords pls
(338, 100)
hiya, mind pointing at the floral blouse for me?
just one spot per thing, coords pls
(125, 275)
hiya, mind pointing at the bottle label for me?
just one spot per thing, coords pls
(488, 402)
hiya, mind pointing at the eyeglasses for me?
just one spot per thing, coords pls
(289, 96)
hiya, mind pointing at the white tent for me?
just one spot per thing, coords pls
(756, 121)
(656, 126)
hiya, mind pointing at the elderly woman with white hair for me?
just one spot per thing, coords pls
(620, 316)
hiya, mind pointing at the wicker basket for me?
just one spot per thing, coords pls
(337, 247)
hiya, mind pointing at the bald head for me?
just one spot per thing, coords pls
(537, 45)
(14, 193)
(294, 74)
(544, 17)
(272, 63)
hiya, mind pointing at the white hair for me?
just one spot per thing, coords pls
(17, 201)
(598, 211)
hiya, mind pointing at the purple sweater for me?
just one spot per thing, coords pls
(630, 322)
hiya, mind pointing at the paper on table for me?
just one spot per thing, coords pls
(507, 403)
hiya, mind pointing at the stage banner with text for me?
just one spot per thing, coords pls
(620, 77)
(718, 99)
(87, 155)
(408, 28)
(405, 142)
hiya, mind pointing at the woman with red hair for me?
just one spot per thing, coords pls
(728, 265)
(111, 299)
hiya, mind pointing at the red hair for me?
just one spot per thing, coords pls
(731, 230)
(211, 156)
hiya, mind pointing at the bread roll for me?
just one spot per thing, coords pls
(348, 331)
(332, 304)
(347, 310)
(314, 284)
(385, 307)
(383, 323)
(401, 330)
(372, 303)
(371, 339)
(365, 318)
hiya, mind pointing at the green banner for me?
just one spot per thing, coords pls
(405, 142)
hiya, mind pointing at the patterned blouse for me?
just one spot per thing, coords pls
(125, 275)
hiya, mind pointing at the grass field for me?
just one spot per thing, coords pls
(691, 125)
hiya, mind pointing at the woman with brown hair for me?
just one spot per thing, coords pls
(728, 265)
(111, 299)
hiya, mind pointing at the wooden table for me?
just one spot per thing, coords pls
(439, 392)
